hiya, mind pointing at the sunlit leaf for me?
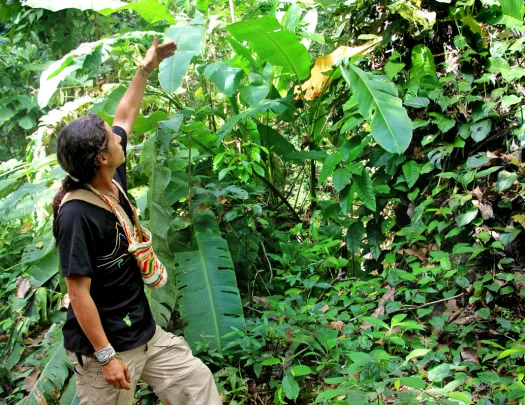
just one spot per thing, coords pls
(274, 44)
(378, 101)
(189, 42)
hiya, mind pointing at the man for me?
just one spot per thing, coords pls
(110, 335)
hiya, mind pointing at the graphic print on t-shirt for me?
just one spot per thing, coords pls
(119, 255)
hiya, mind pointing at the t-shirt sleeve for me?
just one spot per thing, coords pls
(120, 173)
(76, 244)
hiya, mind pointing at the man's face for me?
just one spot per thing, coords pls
(114, 154)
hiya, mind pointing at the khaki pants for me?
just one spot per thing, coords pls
(165, 363)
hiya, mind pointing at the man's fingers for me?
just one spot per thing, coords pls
(127, 373)
(124, 384)
(155, 42)
(168, 46)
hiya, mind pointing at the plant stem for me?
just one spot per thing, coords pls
(280, 195)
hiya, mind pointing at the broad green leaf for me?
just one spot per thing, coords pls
(270, 362)
(461, 396)
(28, 122)
(253, 95)
(57, 5)
(340, 178)
(274, 141)
(378, 101)
(417, 102)
(422, 64)
(307, 154)
(365, 190)
(151, 11)
(375, 321)
(346, 198)
(52, 379)
(162, 300)
(509, 352)
(44, 269)
(245, 53)
(290, 387)
(278, 106)
(225, 77)
(417, 353)
(480, 130)
(57, 72)
(274, 44)
(353, 148)
(393, 68)
(202, 6)
(467, 218)
(145, 124)
(444, 123)
(329, 165)
(354, 236)
(300, 370)
(207, 288)
(478, 160)
(411, 170)
(108, 106)
(292, 17)
(414, 15)
(505, 180)
(413, 382)
(69, 395)
(513, 8)
(6, 114)
(189, 42)
(511, 100)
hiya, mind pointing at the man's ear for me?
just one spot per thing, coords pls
(102, 159)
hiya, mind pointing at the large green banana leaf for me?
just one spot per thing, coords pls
(189, 41)
(274, 44)
(162, 300)
(207, 288)
(378, 101)
(55, 374)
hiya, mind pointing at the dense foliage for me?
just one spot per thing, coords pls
(337, 184)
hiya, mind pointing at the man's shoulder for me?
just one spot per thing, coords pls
(79, 210)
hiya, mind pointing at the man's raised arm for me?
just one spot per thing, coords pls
(129, 107)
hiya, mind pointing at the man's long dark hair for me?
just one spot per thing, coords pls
(78, 148)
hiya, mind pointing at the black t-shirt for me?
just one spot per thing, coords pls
(92, 243)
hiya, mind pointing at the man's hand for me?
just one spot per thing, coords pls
(117, 373)
(157, 53)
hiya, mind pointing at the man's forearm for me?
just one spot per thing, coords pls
(129, 106)
(89, 319)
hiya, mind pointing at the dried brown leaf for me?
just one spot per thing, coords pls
(263, 301)
(469, 354)
(486, 210)
(22, 286)
(380, 310)
(31, 379)
(314, 86)
(337, 325)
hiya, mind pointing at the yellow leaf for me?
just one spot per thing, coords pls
(318, 82)
(520, 219)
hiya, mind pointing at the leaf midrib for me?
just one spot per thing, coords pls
(208, 289)
(277, 45)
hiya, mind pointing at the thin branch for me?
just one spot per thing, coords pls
(268, 260)
(280, 195)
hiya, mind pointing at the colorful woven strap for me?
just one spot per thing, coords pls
(121, 215)
(153, 272)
